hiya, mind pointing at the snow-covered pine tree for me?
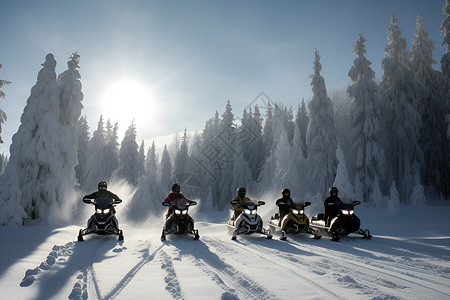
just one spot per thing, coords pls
(279, 171)
(229, 150)
(251, 141)
(209, 163)
(299, 160)
(181, 158)
(445, 68)
(70, 97)
(151, 160)
(129, 157)
(367, 161)
(149, 195)
(302, 120)
(37, 175)
(432, 109)
(321, 136)
(96, 165)
(3, 116)
(268, 130)
(400, 95)
(165, 171)
(342, 180)
(141, 160)
(81, 145)
(111, 149)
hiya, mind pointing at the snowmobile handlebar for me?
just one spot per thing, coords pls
(191, 203)
(92, 201)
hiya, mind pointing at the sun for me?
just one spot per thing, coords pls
(126, 101)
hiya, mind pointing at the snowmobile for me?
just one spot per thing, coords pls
(294, 222)
(342, 224)
(248, 221)
(104, 221)
(179, 222)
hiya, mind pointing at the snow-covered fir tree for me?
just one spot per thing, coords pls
(279, 171)
(38, 176)
(432, 109)
(302, 120)
(251, 141)
(141, 160)
(81, 145)
(268, 130)
(321, 135)
(209, 160)
(342, 180)
(400, 92)
(96, 164)
(111, 149)
(299, 163)
(227, 155)
(149, 193)
(181, 158)
(165, 170)
(129, 157)
(70, 97)
(3, 116)
(366, 160)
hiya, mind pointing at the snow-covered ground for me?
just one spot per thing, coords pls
(407, 258)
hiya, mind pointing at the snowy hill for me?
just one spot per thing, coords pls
(407, 258)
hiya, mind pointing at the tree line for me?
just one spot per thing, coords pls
(383, 143)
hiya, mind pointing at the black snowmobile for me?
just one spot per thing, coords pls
(179, 222)
(248, 221)
(104, 221)
(294, 222)
(343, 224)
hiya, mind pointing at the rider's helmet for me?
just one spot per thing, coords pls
(176, 188)
(241, 192)
(286, 193)
(102, 186)
(333, 191)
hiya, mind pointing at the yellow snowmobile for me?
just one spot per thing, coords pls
(294, 222)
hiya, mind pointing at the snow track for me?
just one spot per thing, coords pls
(252, 267)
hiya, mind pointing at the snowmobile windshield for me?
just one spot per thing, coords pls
(103, 202)
(249, 205)
(180, 204)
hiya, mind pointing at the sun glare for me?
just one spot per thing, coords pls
(126, 101)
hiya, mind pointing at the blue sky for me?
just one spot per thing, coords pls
(191, 56)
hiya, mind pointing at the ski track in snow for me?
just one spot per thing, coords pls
(372, 276)
(233, 283)
(368, 268)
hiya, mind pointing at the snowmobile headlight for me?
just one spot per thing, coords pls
(105, 211)
(177, 211)
(184, 211)
(250, 211)
(297, 212)
(347, 212)
(99, 211)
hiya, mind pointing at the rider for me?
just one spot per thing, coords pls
(102, 192)
(331, 205)
(240, 199)
(173, 196)
(284, 203)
